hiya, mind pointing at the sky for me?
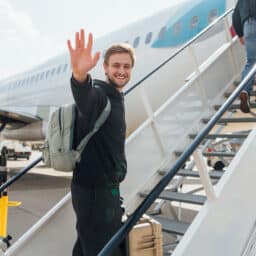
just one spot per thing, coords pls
(32, 31)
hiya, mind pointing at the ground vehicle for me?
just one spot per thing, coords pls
(16, 149)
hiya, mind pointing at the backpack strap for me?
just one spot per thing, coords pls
(99, 122)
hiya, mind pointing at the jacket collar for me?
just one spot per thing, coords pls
(109, 88)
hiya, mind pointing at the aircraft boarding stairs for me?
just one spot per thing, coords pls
(154, 147)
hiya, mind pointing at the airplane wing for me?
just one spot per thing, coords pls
(17, 123)
(11, 116)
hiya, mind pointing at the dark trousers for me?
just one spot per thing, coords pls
(98, 214)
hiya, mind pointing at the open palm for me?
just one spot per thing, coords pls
(81, 57)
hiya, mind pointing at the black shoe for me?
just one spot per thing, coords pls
(244, 102)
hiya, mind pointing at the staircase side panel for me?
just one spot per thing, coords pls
(223, 226)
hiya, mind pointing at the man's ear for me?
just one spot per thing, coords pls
(105, 66)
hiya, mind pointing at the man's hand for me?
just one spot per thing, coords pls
(81, 57)
(241, 39)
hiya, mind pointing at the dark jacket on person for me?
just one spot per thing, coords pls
(244, 10)
(103, 160)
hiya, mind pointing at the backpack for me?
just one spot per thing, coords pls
(57, 150)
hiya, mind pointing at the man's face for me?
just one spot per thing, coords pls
(118, 69)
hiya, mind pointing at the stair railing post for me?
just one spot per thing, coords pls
(198, 78)
(204, 175)
(150, 114)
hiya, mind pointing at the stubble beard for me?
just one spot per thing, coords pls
(117, 86)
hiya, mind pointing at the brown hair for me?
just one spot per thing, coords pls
(119, 48)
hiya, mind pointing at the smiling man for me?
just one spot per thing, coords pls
(96, 178)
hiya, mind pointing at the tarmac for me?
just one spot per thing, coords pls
(38, 191)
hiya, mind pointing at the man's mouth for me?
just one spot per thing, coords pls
(120, 77)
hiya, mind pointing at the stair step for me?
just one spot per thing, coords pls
(181, 197)
(214, 153)
(194, 174)
(235, 106)
(224, 136)
(232, 120)
(227, 94)
(172, 226)
(221, 154)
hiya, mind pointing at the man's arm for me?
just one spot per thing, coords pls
(81, 57)
(89, 100)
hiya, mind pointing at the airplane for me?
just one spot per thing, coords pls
(28, 98)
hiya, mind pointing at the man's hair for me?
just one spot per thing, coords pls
(119, 48)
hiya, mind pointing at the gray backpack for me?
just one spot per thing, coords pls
(57, 150)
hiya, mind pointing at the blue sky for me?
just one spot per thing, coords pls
(32, 31)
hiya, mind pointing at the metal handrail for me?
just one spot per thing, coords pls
(153, 195)
(19, 174)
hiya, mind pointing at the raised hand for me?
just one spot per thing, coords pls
(81, 57)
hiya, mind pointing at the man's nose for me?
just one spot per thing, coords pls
(121, 69)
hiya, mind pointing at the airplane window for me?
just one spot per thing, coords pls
(176, 28)
(148, 37)
(53, 71)
(23, 82)
(213, 14)
(194, 22)
(47, 74)
(58, 70)
(65, 68)
(36, 78)
(42, 76)
(136, 42)
(161, 34)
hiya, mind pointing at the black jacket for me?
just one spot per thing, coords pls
(103, 159)
(243, 11)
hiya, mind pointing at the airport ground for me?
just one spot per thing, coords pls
(38, 190)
